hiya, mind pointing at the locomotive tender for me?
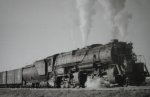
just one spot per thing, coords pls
(114, 62)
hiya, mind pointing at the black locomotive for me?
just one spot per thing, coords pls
(115, 62)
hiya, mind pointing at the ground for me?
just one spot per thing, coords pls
(117, 92)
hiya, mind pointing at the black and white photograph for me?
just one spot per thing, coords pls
(74, 48)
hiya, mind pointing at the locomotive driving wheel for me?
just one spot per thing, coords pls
(68, 82)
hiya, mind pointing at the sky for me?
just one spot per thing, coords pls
(34, 29)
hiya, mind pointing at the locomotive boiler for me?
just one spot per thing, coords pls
(114, 62)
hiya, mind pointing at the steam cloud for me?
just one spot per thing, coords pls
(95, 83)
(86, 11)
(117, 17)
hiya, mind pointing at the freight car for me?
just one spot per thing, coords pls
(12, 78)
(114, 62)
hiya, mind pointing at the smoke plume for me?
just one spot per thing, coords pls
(117, 17)
(115, 13)
(86, 11)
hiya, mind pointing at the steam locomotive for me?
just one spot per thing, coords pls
(114, 62)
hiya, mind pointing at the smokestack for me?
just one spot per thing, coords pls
(86, 11)
(117, 17)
